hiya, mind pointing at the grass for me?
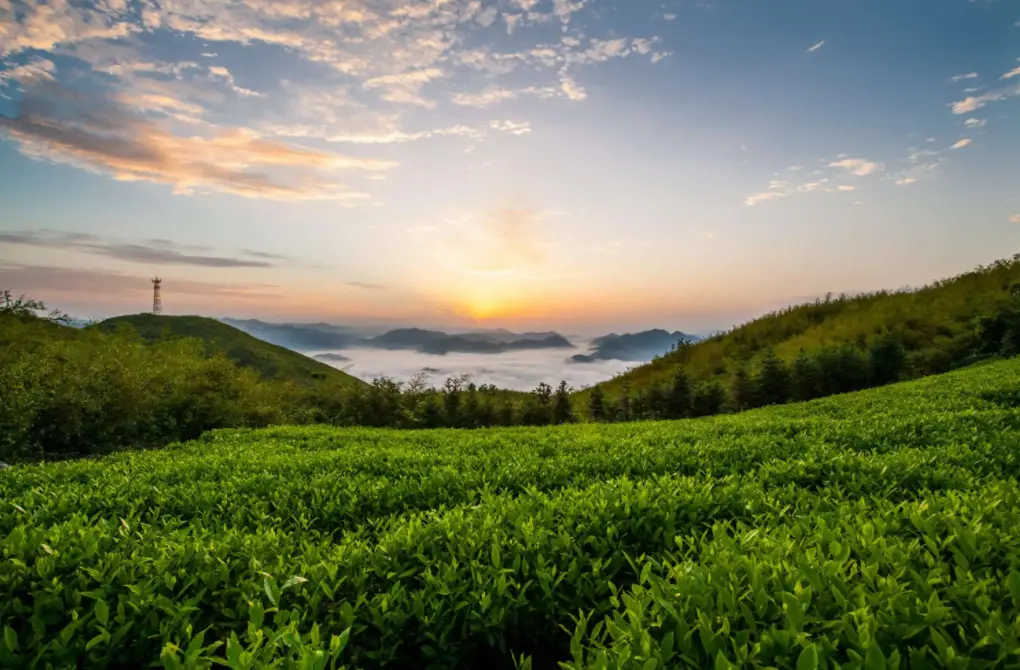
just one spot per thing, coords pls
(872, 530)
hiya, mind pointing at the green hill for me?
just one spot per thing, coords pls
(872, 530)
(269, 360)
(935, 325)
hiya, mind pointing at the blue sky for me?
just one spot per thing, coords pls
(581, 164)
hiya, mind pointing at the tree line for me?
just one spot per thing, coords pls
(67, 392)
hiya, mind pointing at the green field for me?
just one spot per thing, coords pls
(873, 530)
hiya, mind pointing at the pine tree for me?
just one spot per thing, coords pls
(773, 381)
(451, 401)
(806, 377)
(741, 389)
(623, 412)
(563, 412)
(679, 401)
(597, 404)
(888, 358)
(707, 399)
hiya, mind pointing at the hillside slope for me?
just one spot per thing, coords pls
(935, 324)
(882, 525)
(269, 360)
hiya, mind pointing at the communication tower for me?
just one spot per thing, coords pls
(157, 301)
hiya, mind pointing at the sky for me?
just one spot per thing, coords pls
(587, 165)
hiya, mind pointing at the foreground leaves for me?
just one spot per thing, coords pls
(875, 530)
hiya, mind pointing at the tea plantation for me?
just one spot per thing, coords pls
(874, 530)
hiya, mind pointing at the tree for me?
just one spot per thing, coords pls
(679, 401)
(772, 385)
(539, 410)
(23, 308)
(707, 399)
(806, 379)
(843, 369)
(562, 411)
(430, 415)
(451, 401)
(741, 389)
(470, 407)
(597, 404)
(888, 358)
(623, 409)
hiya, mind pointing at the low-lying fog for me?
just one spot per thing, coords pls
(518, 370)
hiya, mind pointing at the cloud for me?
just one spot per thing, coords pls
(971, 103)
(512, 127)
(846, 188)
(857, 166)
(816, 47)
(360, 284)
(906, 181)
(975, 123)
(36, 69)
(669, 17)
(1015, 218)
(361, 58)
(495, 95)
(104, 135)
(89, 283)
(32, 24)
(154, 252)
(962, 143)
(517, 370)
(763, 197)
(961, 77)
(404, 87)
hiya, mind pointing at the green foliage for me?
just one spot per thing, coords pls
(268, 360)
(897, 334)
(773, 384)
(69, 392)
(597, 405)
(869, 530)
(562, 411)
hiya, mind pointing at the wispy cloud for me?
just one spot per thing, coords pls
(816, 47)
(845, 187)
(364, 285)
(857, 166)
(975, 123)
(962, 143)
(962, 77)
(103, 135)
(1015, 218)
(906, 181)
(41, 279)
(972, 103)
(763, 197)
(1015, 72)
(369, 62)
(149, 252)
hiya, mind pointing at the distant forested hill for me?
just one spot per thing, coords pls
(944, 325)
(269, 360)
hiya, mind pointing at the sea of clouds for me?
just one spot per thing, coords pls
(517, 370)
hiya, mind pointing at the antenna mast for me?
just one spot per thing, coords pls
(157, 301)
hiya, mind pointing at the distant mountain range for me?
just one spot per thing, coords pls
(318, 336)
(311, 337)
(299, 336)
(643, 346)
(477, 342)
